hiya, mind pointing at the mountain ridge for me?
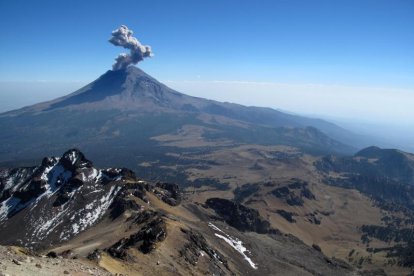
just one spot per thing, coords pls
(118, 83)
(129, 107)
(121, 223)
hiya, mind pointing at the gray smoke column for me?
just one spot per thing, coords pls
(123, 37)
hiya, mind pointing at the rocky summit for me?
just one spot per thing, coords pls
(57, 199)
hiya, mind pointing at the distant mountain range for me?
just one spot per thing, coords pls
(117, 118)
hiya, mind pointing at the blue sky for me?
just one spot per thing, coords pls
(354, 45)
(350, 42)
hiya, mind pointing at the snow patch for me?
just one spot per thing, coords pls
(102, 176)
(47, 226)
(91, 214)
(72, 157)
(215, 227)
(54, 177)
(45, 173)
(7, 206)
(235, 243)
(75, 228)
(89, 175)
(10, 183)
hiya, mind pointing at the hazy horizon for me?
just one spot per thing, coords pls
(315, 100)
(388, 133)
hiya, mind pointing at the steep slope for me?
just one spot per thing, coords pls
(47, 197)
(68, 208)
(123, 110)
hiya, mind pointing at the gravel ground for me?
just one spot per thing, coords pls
(15, 262)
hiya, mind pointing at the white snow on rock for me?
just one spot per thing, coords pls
(14, 180)
(90, 174)
(55, 177)
(45, 173)
(72, 157)
(7, 206)
(215, 227)
(104, 177)
(75, 228)
(72, 216)
(81, 218)
(46, 226)
(90, 215)
(235, 243)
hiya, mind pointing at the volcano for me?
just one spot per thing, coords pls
(126, 116)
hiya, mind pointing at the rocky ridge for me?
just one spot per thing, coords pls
(61, 198)
(109, 218)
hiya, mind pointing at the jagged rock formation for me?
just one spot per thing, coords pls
(168, 192)
(144, 240)
(58, 199)
(121, 204)
(197, 247)
(289, 216)
(240, 216)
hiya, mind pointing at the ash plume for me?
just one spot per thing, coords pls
(123, 37)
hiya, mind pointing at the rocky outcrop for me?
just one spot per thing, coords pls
(196, 246)
(122, 204)
(294, 193)
(245, 191)
(143, 216)
(10, 179)
(95, 255)
(73, 159)
(289, 216)
(64, 175)
(313, 218)
(144, 240)
(239, 216)
(139, 190)
(59, 198)
(168, 192)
